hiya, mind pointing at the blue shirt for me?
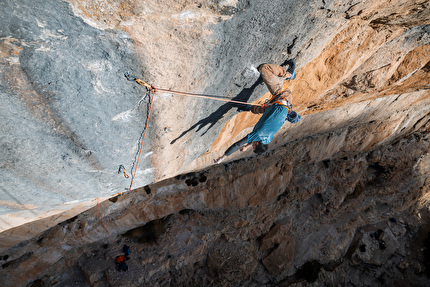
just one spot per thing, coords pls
(268, 125)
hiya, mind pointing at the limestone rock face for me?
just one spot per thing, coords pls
(344, 189)
(282, 247)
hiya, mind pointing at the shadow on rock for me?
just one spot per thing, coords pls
(214, 117)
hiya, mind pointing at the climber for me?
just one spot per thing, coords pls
(120, 260)
(275, 111)
(120, 263)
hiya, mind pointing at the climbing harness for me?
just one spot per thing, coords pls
(284, 103)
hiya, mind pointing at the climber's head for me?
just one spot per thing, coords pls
(259, 147)
(293, 117)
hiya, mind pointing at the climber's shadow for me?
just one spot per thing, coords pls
(214, 117)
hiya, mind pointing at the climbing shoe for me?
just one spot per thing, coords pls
(291, 68)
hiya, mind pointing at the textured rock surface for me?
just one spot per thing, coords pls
(221, 230)
(314, 210)
(62, 90)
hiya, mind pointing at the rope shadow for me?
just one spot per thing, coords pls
(214, 117)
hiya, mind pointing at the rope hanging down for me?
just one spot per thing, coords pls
(143, 136)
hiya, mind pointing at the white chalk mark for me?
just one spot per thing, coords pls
(124, 116)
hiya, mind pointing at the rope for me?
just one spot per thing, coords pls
(143, 137)
(154, 89)
(121, 168)
(206, 97)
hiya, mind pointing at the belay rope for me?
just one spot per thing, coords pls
(142, 136)
(154, 89)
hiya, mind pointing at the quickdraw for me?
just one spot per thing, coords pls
(140, 82)
(121, 168)
(148, 86)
